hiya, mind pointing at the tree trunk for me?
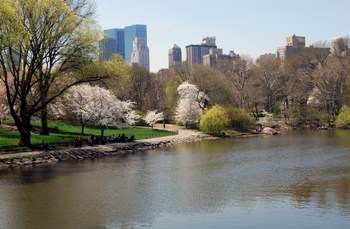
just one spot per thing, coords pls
(44, 126)
(302, 111)
(24, 128)
(82, 129)
(102, 131)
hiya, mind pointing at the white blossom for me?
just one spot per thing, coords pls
(96, 105)
(190, 104)
(131, 117)
(152, 117)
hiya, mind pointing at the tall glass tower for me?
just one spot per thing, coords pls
(130, 33)
(119, 47)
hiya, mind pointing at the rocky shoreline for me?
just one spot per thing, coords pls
(69, 154)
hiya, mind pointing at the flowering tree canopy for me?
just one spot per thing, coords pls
(131, 117)
(152, 117)
(96, 105)
(191, 103)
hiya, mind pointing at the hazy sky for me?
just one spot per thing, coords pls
(249, 27)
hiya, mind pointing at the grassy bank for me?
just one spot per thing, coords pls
(64, 134)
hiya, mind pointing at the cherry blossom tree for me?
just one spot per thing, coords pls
(79, 103)
(131, 117)
(110, 111)
(96, 105)
(191, 103)
(152, 117)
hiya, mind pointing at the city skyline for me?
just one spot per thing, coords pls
(247, 27)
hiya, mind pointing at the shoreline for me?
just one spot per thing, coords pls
(18, 160)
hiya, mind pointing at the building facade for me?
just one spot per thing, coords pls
(195, 53)
(121, 41)
(140, 53)
(294, 45)
(130, 33)
(118, 36)
(216, 55)
(108, 48)
(175, 55)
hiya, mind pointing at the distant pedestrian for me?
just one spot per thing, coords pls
(91, 140)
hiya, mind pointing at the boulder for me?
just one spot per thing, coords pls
(269, 131)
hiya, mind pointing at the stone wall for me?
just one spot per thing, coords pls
(53, 156)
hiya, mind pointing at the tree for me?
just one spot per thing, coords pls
(172, 97)
(238, 73)
(191, 104)
(238, 118)
(96, 105)
(110, 111)
(140, 87)
(341, 47)
(78, 102)
(299, 86)
(152, 117)
(214, 120)
(212, 83)
(43, 44)
(343, 119)
(271, 81)
(132, 117)
(331, 81)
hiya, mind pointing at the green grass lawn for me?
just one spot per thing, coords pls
(65, 133)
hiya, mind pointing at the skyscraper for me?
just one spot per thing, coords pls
(175, 55)
(130, 33)
(140, 53)
(195, 53)
(121, 41)
(108, 48)
(116, 35)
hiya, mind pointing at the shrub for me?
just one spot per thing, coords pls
(343, 119)
(317, 116)
(239, 118)
(214, 120)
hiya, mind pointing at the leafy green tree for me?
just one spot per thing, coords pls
(214, 120)
(43, 44)
(239, 118)
(343, 119)
(141, 88)
(213, 83)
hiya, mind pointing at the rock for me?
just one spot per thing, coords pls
(26, 162)
(269, 131)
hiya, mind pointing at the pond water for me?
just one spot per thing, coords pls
(294, 180)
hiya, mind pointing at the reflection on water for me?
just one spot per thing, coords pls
(295, 180)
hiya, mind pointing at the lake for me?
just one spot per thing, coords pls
(299, 179)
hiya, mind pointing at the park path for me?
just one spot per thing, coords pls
(181, 134)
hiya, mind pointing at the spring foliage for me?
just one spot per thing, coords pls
(239, 118)
(40, 41)
(343, 119)
(214, 120)
(191, 103)
(96, 105)
(153, 116)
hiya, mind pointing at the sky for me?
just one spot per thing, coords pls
(248, 27)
